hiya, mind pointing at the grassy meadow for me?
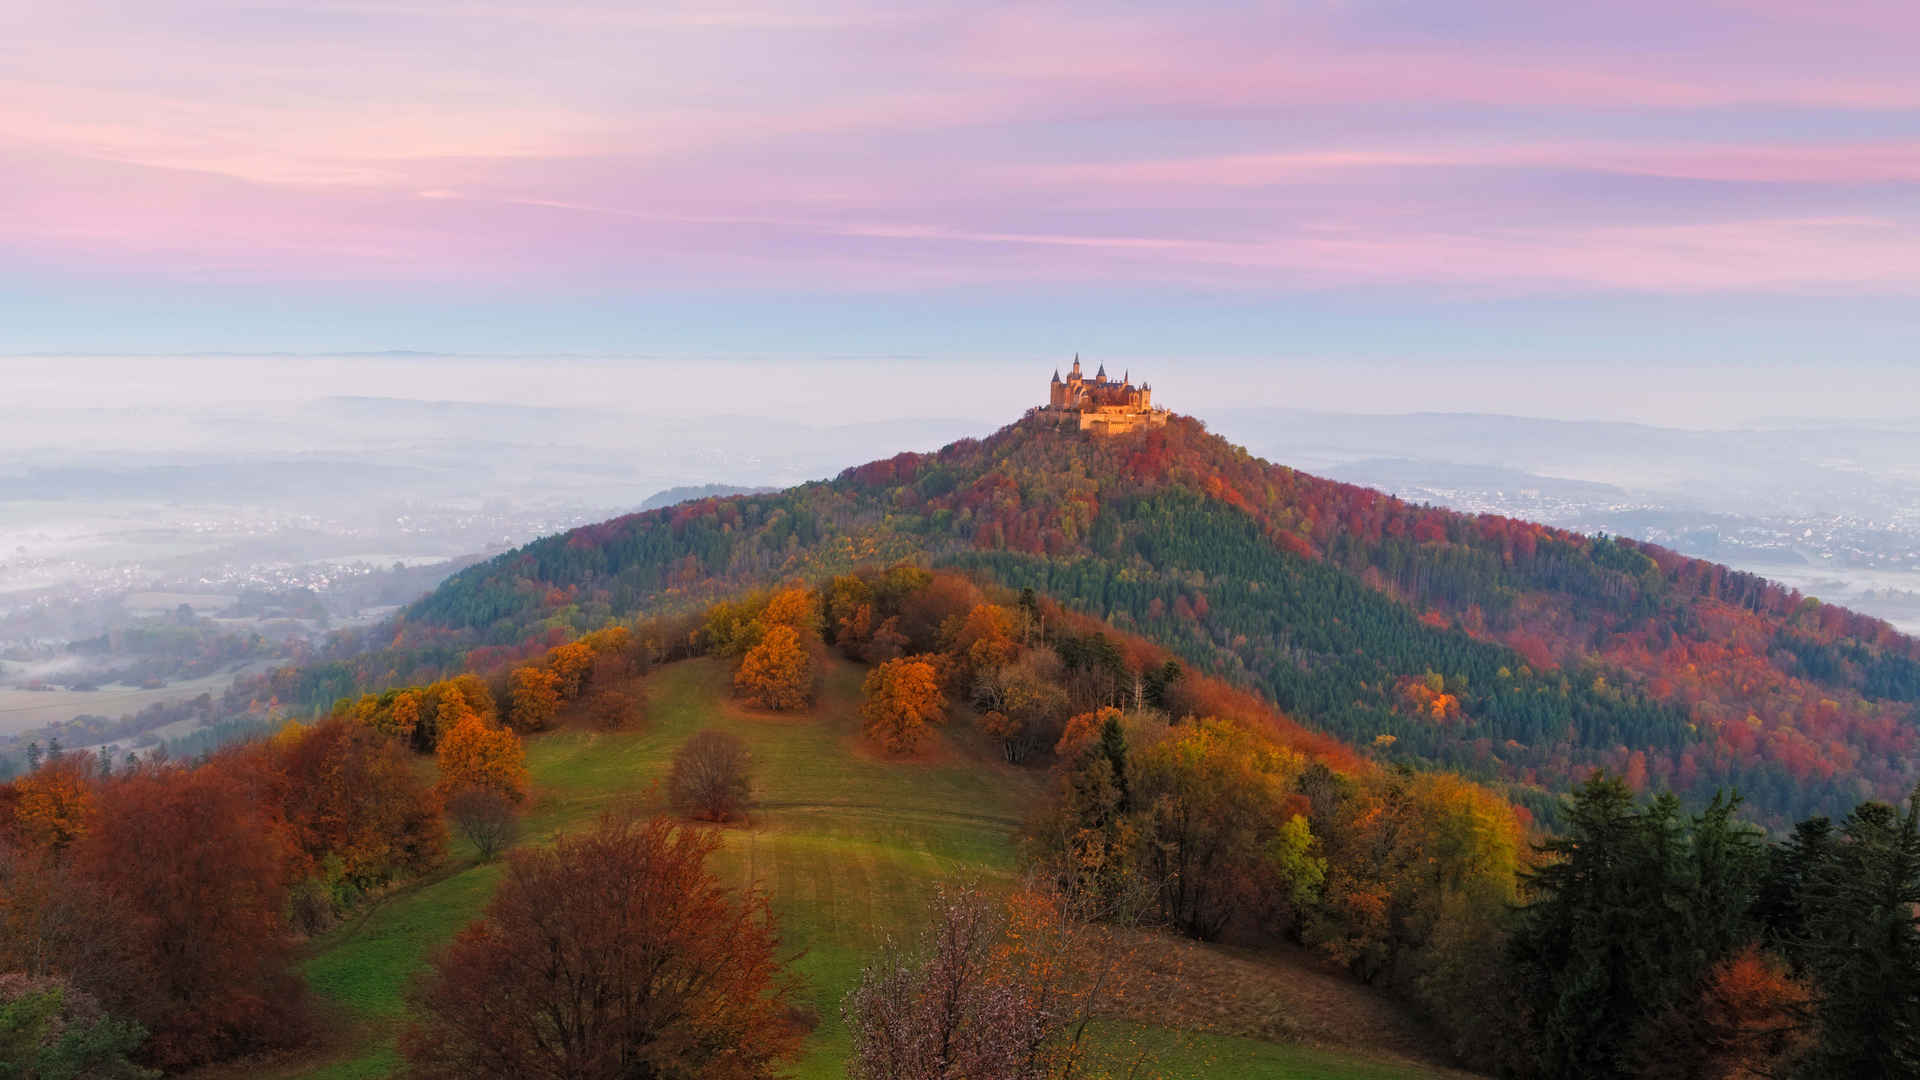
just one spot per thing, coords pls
(847, 845)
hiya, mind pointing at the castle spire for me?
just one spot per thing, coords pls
(1056, 374)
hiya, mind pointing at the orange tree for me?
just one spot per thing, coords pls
(533, 698)
(778, 672)
(476, 754)
(903, 703)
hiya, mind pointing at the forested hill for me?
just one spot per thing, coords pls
(1497, 646)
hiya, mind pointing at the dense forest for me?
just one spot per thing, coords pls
(1506, 649)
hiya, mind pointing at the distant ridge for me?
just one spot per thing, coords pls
(674, 496)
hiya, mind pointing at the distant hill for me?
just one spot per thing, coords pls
(674, 496)
(1503, 648)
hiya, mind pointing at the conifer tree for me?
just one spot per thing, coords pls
(1863, 945)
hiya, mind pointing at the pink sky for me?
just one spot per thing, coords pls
(1504, 147)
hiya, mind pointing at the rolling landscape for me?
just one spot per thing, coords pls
(755, 540)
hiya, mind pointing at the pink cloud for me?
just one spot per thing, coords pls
(876, 146)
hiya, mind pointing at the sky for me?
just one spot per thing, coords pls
(1688, 211)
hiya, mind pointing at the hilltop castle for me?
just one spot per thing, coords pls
(1101, 405)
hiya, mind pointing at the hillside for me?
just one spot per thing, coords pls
(1507, 649)
(849, 846)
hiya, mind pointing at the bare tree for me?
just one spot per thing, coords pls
(1005, 989)
(486, 818)
(710, 777)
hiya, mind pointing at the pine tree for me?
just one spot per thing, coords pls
(1863, 945)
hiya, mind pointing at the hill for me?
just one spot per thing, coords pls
(849, 847)
(674, 496)
(1503, 648)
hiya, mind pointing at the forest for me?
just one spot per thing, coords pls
(1514, 652)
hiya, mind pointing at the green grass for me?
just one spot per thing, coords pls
(847, 846)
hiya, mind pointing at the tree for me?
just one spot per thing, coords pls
(1748, 1023)
(993, 990)
(1863, 944)
(612, 707)
(533, 698)
(1210, 798)
(52, 1030)
(1631, 911)
(796, 607)
(476, 754)
(903, 703)
(352, 795)
(51, 805)
(614, 954)
(709, 777)
(777, 673)
(570, 664)
(487, 819)
(195, 862)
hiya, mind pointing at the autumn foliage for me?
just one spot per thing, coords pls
(777, 673)
(614, 954)
(903, 703)
(476, 754)
(193, 865)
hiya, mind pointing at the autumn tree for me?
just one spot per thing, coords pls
(354, 802)
(486, 819)
(794, 607)
(570, 663)
(194, 862)
(533, 698)
(1211, 797)
(476, 754)
(903, 703)
(614, 954)
(52, 804)
(710, 778)
(1022, 702)
(1751, 1021)
(778, 672)
(988, 637)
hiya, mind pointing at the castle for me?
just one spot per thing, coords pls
(1101, 405)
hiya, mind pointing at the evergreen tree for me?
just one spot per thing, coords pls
(1863, 945)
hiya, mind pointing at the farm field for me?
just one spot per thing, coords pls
(848, 846)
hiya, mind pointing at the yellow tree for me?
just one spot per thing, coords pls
(778, 672)
(903, 703)
(570, 664)
(533, 698)
(795, 607)
(476, 754)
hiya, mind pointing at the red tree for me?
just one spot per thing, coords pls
(613, 954)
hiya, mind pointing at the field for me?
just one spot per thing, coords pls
(26, 710)
(848, 846)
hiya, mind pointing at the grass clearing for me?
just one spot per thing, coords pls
(848, 848)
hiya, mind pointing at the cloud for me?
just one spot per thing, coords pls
(1507, 145)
